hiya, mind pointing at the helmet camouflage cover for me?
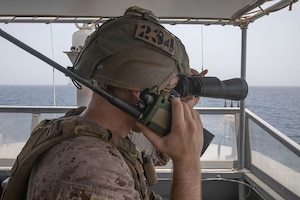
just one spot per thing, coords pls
(133, 52)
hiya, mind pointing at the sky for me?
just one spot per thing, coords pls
(273, 50)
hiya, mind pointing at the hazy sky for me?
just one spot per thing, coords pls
(273, 51)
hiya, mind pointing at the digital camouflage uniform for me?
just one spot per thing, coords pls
(73, 158)
(82, 168)
(71, 169)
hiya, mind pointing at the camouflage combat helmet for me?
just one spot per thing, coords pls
(133, 52)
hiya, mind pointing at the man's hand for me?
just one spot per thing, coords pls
(185, 139)
(184, 145)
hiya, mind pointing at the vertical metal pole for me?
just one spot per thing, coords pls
(242, 133)
(241, 161)
(53, 69)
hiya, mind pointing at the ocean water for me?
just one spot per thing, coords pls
(279, 106)
(37, 95)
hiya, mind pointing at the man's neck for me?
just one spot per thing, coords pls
(109, 117)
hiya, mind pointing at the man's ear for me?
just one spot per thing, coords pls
(135, 93)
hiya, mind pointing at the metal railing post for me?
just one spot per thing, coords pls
(242, 133)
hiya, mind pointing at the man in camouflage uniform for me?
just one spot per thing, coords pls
(90, 155)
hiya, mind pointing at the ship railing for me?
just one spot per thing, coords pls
(272, 164)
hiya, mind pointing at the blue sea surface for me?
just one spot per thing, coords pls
(38, 95)
(279, 106)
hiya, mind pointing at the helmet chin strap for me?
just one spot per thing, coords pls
(165, 92)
